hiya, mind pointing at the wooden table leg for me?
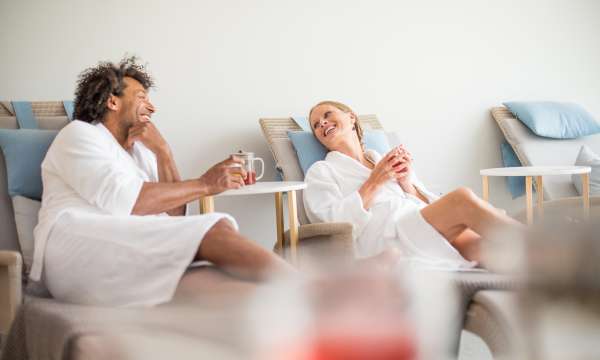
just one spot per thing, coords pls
(529, 199)
(293, 222)
(207, 205)
(585, 182)
(279, 221)
(486, 188)
(539, 188)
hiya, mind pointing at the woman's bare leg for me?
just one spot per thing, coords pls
(461, 217)
(230, 251)
(468, 244)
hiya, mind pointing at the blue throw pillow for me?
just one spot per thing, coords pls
(310, 150)
(516, 184)
(24, 150)
(553, 119)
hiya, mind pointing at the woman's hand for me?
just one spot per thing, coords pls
(392, 166)
(403, 176)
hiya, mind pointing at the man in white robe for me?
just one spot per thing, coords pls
(112, 229)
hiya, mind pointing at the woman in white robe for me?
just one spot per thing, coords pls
(386, 203)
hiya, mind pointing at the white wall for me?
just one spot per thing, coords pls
(430, 68)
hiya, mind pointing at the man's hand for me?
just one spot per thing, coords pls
(228, 174)
(148, 134)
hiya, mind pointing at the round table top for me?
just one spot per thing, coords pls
(265, 187)
(536, 170)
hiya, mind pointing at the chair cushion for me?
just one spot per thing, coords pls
(26, 218)
(553, 119)
(587, 157)
(24, 150)
(310, 150)
(516, 184)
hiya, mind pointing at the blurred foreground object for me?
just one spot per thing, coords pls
(559, 308)
(355, 314)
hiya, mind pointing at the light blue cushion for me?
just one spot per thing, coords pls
(24, 150)
(310, 150)
(24, 115)
(302, 121)
(516, 184)
(69, 108)
(553, 119)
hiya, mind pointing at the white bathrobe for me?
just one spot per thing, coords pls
(394, 218)
(89, 246)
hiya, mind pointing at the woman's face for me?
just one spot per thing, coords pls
(331, 125)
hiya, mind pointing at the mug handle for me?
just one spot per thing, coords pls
(262, 167)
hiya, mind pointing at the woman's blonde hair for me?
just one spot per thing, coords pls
(345, 108)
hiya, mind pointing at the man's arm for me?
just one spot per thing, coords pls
(148, 134)
(167, 173)
(159, 197)
(156, 198)
(171, 194)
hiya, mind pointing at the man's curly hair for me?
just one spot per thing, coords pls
(96, 84)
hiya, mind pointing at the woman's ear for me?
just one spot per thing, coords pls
(113, 103)
(352, 120)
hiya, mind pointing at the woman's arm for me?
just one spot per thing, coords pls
(367, 192)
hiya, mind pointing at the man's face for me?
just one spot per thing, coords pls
(135, 103)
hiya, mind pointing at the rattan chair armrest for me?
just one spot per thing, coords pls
(11, 265)
(325, 229)
(324, 242)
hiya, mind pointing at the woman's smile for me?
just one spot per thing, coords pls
(329, 130)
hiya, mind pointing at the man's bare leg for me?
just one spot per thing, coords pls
(230, 251)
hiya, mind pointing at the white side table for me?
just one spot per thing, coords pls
(269, 187)
(538, 171)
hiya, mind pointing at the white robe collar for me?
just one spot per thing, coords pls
(104, 130)
(340, 157)
(131, 156)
